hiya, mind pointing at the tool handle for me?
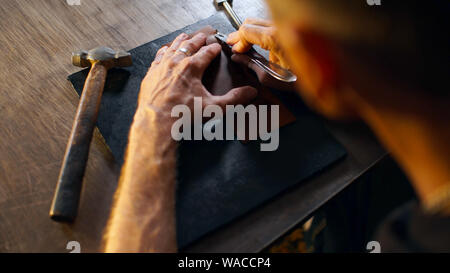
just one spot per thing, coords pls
(237, 21)
(67, 195)
(278, 72)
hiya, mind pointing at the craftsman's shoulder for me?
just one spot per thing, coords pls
(409, 229)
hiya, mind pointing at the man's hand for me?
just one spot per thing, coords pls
(263, 33)
(143, 217)
(258, 32)
(176, 78)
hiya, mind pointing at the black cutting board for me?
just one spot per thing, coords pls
(217, 181)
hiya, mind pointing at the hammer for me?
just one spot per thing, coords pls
(227, 5)
(67, 195)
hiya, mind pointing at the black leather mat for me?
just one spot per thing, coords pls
(217, 181)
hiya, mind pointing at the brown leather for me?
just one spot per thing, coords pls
(223, 75)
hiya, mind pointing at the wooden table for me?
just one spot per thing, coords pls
(37, 106)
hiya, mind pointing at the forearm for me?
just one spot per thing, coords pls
(143, 218)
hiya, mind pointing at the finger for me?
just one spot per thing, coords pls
(233, 38)
(253, 34)
(241, 47)
(258, 22)
(191, 45)
(241, 95)
(160, 54)
(176, 44)
(203, 58)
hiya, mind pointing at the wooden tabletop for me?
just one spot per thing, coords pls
(38, 104)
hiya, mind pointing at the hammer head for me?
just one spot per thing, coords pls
(105, 55)
(219, 3)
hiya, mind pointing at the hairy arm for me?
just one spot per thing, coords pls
(143, 219)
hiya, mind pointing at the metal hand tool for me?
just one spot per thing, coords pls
(273, 69)
(67, 195)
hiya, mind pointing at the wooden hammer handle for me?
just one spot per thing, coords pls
(67, 196)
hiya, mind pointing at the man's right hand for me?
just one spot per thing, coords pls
(259, 32)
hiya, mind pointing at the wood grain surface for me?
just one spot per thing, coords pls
(37, 108)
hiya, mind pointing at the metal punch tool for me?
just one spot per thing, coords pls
(273, 69)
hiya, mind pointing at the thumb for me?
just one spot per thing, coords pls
(241, 95)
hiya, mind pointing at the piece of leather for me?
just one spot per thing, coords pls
(217, 181)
